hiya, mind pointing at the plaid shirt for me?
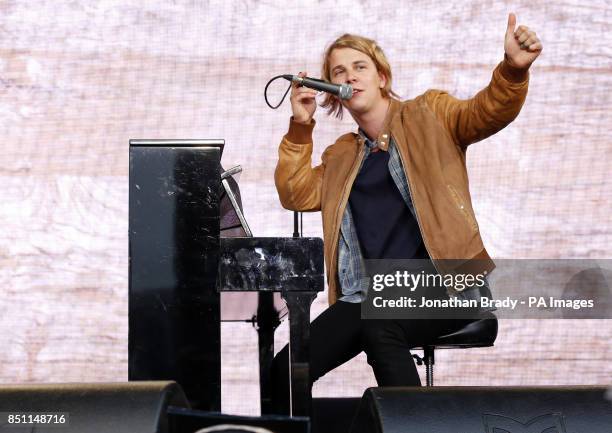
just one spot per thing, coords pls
(354, 281)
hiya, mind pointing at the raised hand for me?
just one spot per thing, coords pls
(522, 45)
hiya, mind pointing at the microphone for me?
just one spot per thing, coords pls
(343, 91)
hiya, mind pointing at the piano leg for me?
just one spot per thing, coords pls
(267, 322)
(298, 304)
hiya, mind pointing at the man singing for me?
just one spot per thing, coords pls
(395, 189)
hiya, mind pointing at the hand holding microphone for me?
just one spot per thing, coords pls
(303, 92)
(303, 103)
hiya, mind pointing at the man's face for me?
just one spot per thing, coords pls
(357, 69)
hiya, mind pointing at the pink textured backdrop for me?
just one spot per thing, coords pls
(79, 78)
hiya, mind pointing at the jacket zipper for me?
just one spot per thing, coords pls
(416, 211)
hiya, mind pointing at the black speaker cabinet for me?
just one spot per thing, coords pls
(575, 409)
(129, 407)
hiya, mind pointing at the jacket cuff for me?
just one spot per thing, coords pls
(512, 73)
(300, 133)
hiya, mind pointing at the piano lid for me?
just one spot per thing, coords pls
(178, 142)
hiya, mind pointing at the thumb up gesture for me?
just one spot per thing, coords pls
(522, 45)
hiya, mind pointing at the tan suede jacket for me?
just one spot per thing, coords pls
(432, 133)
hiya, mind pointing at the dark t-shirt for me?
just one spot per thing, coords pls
(385, 227)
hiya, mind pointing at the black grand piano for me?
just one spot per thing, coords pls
(184, 216)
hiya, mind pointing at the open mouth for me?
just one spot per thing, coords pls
(356, 91)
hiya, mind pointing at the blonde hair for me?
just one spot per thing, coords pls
(370, 48)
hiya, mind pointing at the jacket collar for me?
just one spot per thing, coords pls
(385, 133)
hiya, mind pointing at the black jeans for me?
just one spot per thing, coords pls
(339, 334)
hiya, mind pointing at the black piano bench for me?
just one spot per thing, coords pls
(480, 333)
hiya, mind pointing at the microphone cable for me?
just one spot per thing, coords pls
(284, 96)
